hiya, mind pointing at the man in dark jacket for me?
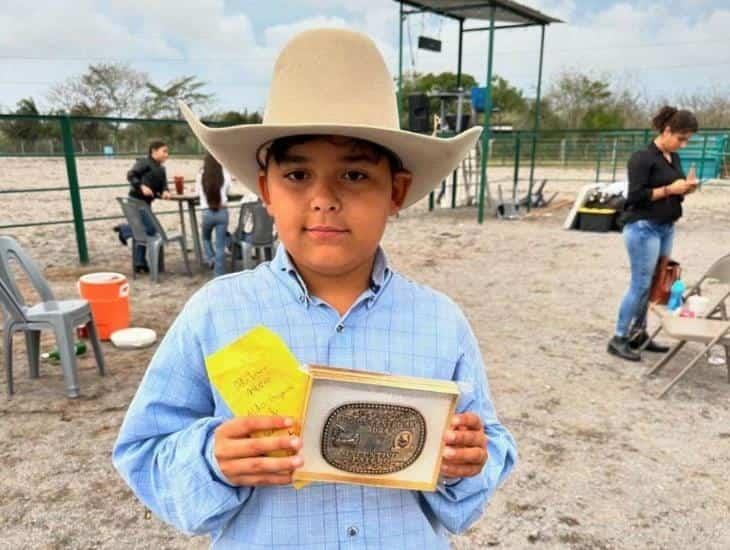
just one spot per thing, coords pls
(148, 181)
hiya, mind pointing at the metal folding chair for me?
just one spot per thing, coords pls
(709, 332)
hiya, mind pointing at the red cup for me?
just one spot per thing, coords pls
(179, 184)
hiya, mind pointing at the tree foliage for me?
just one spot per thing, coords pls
(105, 89)
(161, 101)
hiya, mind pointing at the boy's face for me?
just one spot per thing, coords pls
(161, 154)
(331, 201)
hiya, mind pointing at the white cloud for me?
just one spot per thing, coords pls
(168, 38)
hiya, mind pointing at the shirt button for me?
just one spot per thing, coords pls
(352, 531)
(340, 328)
(301, 299)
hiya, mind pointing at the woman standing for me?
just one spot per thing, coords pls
(657, 186)
(212, 185)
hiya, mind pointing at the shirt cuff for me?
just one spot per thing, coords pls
(213, 461)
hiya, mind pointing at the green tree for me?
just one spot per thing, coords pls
(233, 118)
(25, 129)
(582, 102)
(105, 89)
(508, 101)
(161, 101)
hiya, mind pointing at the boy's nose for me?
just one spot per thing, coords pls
(325, 199)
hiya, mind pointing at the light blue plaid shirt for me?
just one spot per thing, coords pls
(165, 447)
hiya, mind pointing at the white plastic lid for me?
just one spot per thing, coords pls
(133, 337)
(102, 278)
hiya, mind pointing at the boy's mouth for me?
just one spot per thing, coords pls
(325, 232)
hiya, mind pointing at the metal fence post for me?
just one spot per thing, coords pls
(613, 159)
(73, 187)
(701, 170)
(598, 157)
(516, 177)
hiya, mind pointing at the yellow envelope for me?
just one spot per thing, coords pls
(257, 375)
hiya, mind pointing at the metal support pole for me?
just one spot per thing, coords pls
(486, 134)
(536, 128)
(461, 43)
(701, 169)
(599, 148)
(613, 158)
(454, 176)
(73, 188)
(400, 56)
(516, 179)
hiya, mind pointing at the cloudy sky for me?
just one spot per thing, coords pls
(659, 47)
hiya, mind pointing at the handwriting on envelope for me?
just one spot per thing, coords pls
(257, 375)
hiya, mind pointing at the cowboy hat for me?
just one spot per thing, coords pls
(333, 82)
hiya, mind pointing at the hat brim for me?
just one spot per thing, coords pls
(429, 159)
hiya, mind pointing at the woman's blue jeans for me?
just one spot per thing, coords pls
(645, 241)
(215, 220)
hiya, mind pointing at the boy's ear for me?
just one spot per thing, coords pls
(401, 184)
(264, 187)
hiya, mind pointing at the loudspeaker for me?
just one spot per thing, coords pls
(418, 114)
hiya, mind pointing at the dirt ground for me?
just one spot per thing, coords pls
(603, 464)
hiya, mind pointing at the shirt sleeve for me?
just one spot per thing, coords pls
(457, 504)
(639, 189)
(134, 176)
(165, 447)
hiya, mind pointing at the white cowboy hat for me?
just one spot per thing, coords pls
(334, 82)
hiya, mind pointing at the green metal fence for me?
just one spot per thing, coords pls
(71, 138)
(605, 153)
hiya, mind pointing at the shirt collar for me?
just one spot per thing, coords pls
(284, 268)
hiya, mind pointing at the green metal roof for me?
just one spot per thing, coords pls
(507, 11)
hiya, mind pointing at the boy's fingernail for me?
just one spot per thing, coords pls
(297, 461)
(450, 437)
(288, 422)
(295, 441)
(449, 452)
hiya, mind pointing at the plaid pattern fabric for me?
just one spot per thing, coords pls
(165, 447)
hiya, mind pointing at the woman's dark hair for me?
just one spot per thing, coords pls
(677, 120)
(212, 180)
(155, 145)
(278, 149)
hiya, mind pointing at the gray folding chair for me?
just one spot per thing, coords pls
(62, 316)
(254, 234)
(154, 244)
(709, 332)
(719, 273)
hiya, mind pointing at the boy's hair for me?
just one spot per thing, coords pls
(278, 149)
(155, 145)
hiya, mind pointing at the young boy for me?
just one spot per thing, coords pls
(331, 165)
(147, 181)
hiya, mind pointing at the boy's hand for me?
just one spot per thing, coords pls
(146, 191)
(242, 458)
(465, 452)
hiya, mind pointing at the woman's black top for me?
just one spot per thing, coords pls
(149, 172)
(649, 169)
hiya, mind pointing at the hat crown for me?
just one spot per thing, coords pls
(331, 76)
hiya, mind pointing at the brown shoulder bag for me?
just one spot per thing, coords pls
(667, 271)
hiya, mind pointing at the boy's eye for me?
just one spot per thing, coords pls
(296, 175)
(354, 175)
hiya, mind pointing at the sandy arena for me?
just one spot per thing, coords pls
(603, 463)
